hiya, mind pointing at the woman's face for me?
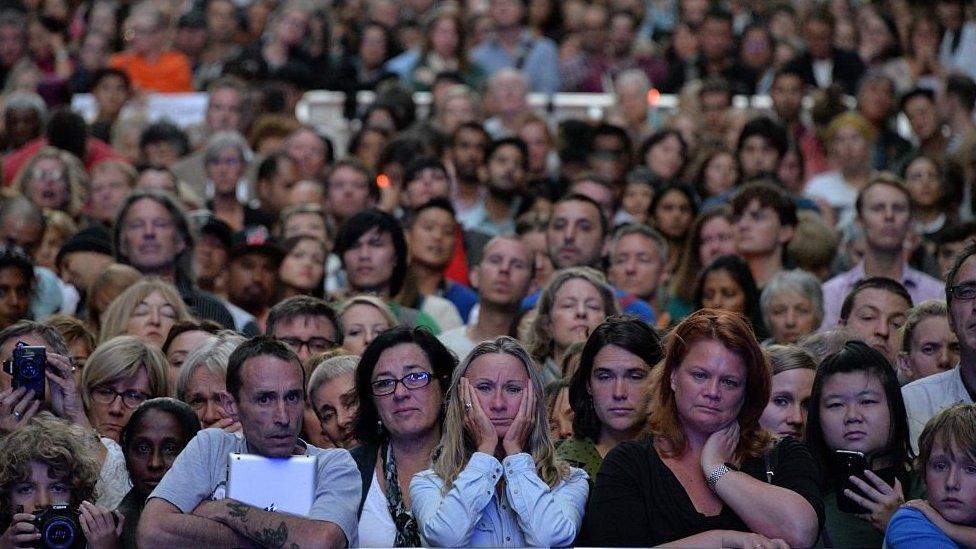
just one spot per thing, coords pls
(203, 391)
(721, 291)
(336, 404)
(156, 442)
(637, 200)
(716, 238)
(790, 172)
(791, 316)
(850, 149)
(225, 170)
(924, 186)
(934, 347)
(576, 311)
(407, 412)
(854, 413)
(665, 158)
(720, 174)
(621, 390)
(42, 489)
(673, 215)
(709, 386)
(304, 266)
(786, 413)
(444, 39)
(48, 185)
(151, 319)
(361, 323)
(292, 27)
(561, 416)
(500, 383)
(47, 253)
(181, 346)
(108, 419)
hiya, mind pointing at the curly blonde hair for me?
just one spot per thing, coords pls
(74, 173)
(66, 449)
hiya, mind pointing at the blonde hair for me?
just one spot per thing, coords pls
(456, 447)
(120, 311)
(372, 301)
(61, 223)
(954, 427)
(121, 357)
(74, 173)
(930, 308)
(110, 282)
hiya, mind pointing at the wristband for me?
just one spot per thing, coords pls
(717, 473)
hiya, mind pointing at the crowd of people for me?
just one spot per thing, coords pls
(744, 321)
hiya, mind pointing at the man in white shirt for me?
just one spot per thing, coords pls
(927, 396)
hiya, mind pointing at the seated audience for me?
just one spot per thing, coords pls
(363, 318)
(333, 397)
(928, 344)
(789, 397)
(203, 381)
(792, 306)
(147, 310)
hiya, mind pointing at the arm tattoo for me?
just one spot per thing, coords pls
(276, 538)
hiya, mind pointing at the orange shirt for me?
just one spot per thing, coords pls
(170, 73)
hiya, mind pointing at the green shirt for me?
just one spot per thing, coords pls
(580, 453)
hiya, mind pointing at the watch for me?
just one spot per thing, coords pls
(717, 473)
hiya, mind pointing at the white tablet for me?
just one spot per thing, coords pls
(285, 485)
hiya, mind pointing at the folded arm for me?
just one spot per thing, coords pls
(270, 529)
(163, 525)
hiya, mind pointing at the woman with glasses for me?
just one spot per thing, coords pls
(53, 180)
(496, 480)
(401, 380)
(225, 161)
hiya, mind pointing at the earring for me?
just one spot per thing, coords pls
(379, 427)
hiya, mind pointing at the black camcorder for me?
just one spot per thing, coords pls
(27, 366)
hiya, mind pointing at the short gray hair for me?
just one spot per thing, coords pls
(23, 100)
(798, 281)
(633, 76)
(329, 369)
(49, 334)
(222, 140)
(643, 230)
(212, 355)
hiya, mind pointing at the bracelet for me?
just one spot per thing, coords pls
(717, 473)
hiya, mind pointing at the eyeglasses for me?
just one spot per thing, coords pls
(47, 175)
(315, 344)
(964, 292)
(131, 399)
(415, 380)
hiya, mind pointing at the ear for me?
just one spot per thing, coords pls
(902, 368)
(786, 233)
(230, 406)
(673, 378)
(473, 277)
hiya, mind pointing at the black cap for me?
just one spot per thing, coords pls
(92, 239)
(219, 230)
(256, 241)
(194, 19)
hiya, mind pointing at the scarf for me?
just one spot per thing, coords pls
(406, 527)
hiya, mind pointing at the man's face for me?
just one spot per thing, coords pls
(947, 255)
(270, 405)
(758, 156)
(598, 193)
(787, 96)
(209, 257)
(14, 296)
(758, 231)
(22, 125)
(468, 154)
(274, 192)
(574, 237)
(876, 101)
(221, 19)
(225, 110)
(506, 172)
(716, 38)
(819, 38)
(109, 187)
(962, 312)
(431, 238)
(505, 273)
(251, 281)
(506, 13)
(922, 117)
(714, 108)
(885, 217)
(13, 44)
(309, 150)
(636, 266)
(81, 268)
(878, 315)
(370, 261)
(306, 335)
(149, 239)
(347, 192)
(593, 36)
(17, 231)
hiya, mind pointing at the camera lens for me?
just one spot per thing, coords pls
(28, 369)
(59, 533)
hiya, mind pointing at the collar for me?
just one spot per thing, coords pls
(909, 276)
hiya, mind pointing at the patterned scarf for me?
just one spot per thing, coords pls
(406, 527)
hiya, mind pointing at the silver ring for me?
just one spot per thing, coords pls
(17, 415)
(467, 406)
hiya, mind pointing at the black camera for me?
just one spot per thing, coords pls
(59, 528)
(27, 368)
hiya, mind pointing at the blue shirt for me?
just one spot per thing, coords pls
(463, 298)
(537, 58)
(629, 304)
(911, 529)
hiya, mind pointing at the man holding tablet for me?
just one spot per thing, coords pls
(267, 386)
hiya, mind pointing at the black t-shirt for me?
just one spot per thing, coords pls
(638, 502)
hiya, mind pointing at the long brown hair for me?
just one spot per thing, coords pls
(733, 331)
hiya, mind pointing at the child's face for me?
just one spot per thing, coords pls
(637, 199)
(950, 476)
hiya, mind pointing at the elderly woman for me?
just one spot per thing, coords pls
(225, 161)
(362, 318)
(793, 370)
(928, 344)
(203, 381)
(333, 397)
(496, 429)
(791, 305)
(49, 462)
(54, 180)
(572, 305)
(610, 391)
(401, 380)
(702, 477)
(147, 310)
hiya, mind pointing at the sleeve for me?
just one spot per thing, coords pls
(910, 528)
(796, 469)
(548, 517)
(543, 72)
(615, 515)
(337, 493)
(448, 520)
(188, 481)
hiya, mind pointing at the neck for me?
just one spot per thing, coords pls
(609, 439)
(926, 215)
(467, 190)
(428, 278)
(414, 453)
(493, 321)
(167, 273)
(226, 201)
(884, 263)
(287, 290)
(764, 267)
(509, 36)
(383, 292)
(497, 207)
(856, 177)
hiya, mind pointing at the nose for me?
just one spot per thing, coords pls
(368, 337)
(154, 316)
(795, 416)
(790, 318)
(156, 461)
(851, 414)
(497, 401)
(303, 353)
(343, 418)
(945, 358)
(115, 408)
(881, 328)
(400, 392)
(631, 266)
(280, 413)
(711, 388)
(580, 310)
(43, 500)
(620, 389)
(212, 413)
(952, 479)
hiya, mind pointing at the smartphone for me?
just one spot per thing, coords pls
(847, 464)
(28, 365)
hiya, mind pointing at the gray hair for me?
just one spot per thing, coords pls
(222, 140)
(643, 230)
(329, 369)
(212, 356)
(49, 334)
(23, 100)
(798, 281)
(820, 345)
(635, 77)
